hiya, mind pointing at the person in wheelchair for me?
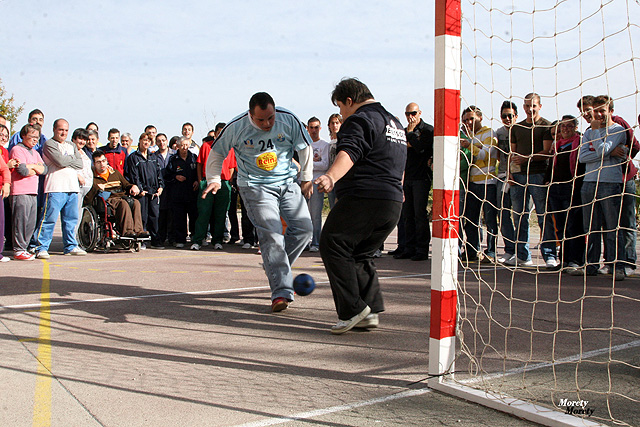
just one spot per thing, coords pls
(109, 184)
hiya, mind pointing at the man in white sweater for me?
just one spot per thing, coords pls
(61, 187)
(320, 166)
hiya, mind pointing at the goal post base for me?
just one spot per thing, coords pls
(509, 405)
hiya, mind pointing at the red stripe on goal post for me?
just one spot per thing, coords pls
(447, 112)
(444, 215)
(448, 18)
(443, 314)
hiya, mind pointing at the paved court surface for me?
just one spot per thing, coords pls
(177, 337)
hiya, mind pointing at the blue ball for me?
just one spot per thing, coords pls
(303, 284)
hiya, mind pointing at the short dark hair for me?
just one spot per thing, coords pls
(472, 109)
(313, 119)
(173, 141)
(146, 129)
(508, 105)
(220, 125)
(160, 134)
(91, 123)
(111, 131)
(96, 154)
(262, 100)
(586, 100)
(603, 100)
(352, 88)
(26, 128)
(80, 134)
(569, 118)
(186, 124)
(34, 112)
(334, 116)
(5, 128)
(55, 123)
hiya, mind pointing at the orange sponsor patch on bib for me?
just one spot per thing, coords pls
(267, 161)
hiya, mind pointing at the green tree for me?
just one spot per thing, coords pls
(7, 109)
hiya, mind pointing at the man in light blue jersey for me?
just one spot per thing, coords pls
(264, 139)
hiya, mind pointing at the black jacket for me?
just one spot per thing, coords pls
(419, 152)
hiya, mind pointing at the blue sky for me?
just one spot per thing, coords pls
(128, 64)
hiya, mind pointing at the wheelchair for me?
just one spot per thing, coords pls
(98, 230)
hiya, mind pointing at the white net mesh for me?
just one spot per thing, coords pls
(531, 331)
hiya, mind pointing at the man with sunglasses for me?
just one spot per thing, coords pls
(413, 229)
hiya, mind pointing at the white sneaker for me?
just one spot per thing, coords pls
(572, 266)
(604, 270)
(371, 321)
(576, 272)
(143, 246)
(345, 325)
(551, 263)
(76, 251)
(246, 246)
(179, 245)
(217, 247)
(314, 249)
(5, 259)
(377, 253)
(511, 260)
(515, 261)
(628, 271)
(195, 247)
(43, 255)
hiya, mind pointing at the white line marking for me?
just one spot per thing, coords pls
(339, 408)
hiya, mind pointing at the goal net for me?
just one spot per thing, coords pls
(557, 344)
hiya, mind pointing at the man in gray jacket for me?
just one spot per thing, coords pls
(61, 187)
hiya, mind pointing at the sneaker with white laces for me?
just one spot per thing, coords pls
(195, 247)
(76, 251)
(551, 263)
(23, 256)
(43, 255)
(371, 321)
(217, 247)
(346, 325)
(246, 246)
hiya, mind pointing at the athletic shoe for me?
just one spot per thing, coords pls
(551, 263)
(76, 251)
(572, 266)
(619, 275)
(179, 245)
(143, 234)
(205, 243)
(5, 259)
(43, 255)
(217, 247)
(143, 246)
(24, 256)
(515, 261)
(279, 304)
(604, 270)
(247, 246)
(488, 259)
(195, 247)
(628, 271)
(371, 321)
(346, 325)
(505, 257)
(377, 253)
(152, 246)
(314, 249)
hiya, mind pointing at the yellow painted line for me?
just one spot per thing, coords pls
(179, 272)
(73, 268)
(55, 265)
(42, 400)
(317, 265)
(94, 269)
(211, 271)
(148, 271)
(241, 271)
(118, 271)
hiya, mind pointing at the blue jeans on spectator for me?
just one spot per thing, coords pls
(265, 205)
(481, 196)
(602, 201)
(503, 203)
(316, 203)
(66, 206)
(628, 224)
(531, 186)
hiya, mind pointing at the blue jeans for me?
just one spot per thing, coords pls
(531, 186)
(66, 206)
(265, 205)
(506, 222)
(316, 203)
(628, 224)
(480, 197)
(602, 202)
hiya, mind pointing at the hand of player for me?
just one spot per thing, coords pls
(181, 178)
(211, 188)
(13, 163)
(196, 185)
(619, 151)
(6, 189)
(134, 190)
(325, 183)
(307, 189)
